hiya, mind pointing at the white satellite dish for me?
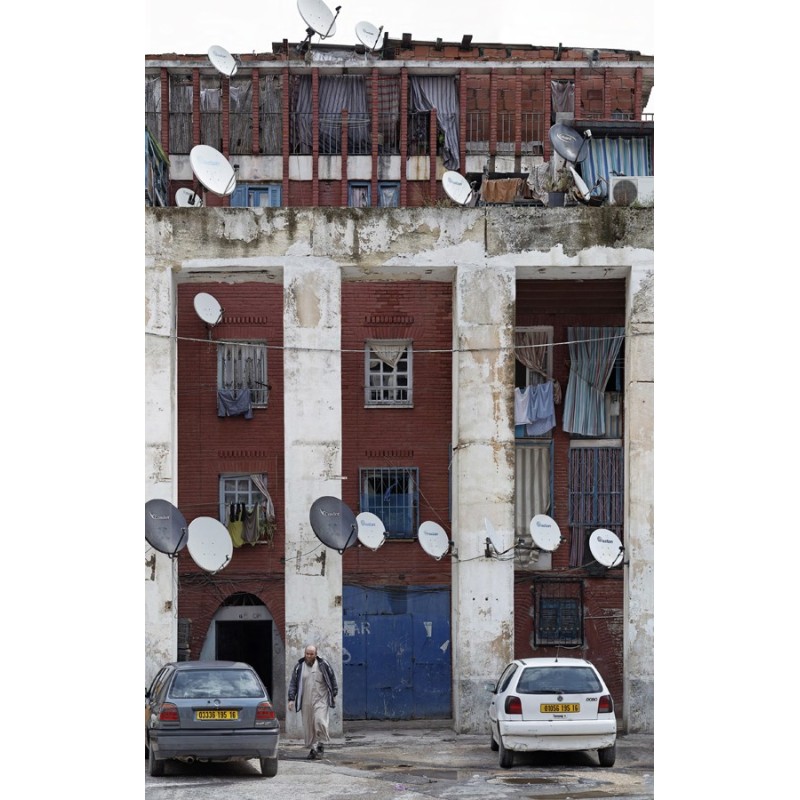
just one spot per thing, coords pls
(319, 18)
(210, 545)
(369, 35)
(371, 530)
(606, 547)
(545, 533)
(208, 308)
(433, 539)
(491, 535)
(582, 189)
(186, 198)
(212, 169)
(222, 60)
(456, 187)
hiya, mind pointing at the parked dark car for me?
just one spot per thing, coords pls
(210, 711)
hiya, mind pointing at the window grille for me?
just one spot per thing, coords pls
(180, 114)
(392, 494)
(557, 613)
(244, 366)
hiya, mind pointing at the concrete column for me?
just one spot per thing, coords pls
(639, 526)
(161, 466)
(313, 457)
(483, 486)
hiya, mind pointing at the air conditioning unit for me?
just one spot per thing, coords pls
(627, 190)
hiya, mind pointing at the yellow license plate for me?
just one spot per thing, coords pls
(217, 714)
(560, 708)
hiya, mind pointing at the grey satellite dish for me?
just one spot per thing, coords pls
(333, 523)
(433, 539)
(606, 547)
(222, 60)
(457, 187)
(210, 545)
(164, 527)
(212, 169)
(207, 308)
(568, 143)
(369, 35)
(545, 533)
(186, 198)
(319, 18)
(371, 530)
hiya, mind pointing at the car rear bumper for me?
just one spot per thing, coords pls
(558, 736)
(215, 745)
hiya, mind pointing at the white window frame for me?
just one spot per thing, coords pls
(237, 488)
(383, 384)
(237, 375)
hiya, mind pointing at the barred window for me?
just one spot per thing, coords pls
(388, 373)
(392, 494)
(244, 366)
(557, 613)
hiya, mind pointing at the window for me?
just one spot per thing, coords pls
(388, 194)
(245, 499)
(392, 495)
(211, 111)
(595, 497)
(557, 613)
(359, 194)
(180, 114)
(533, 495)
(254, 195)
(388, 368)
(244, 366)
(535, 392)
(241, 116)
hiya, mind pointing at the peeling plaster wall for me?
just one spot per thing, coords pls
(161, 611)
(480, 251)
(313, 434)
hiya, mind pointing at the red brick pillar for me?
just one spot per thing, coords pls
(433, 136)
(164, 132)
(374, 125)
(345, 146)
(578, 93)
(638, 108)
(606, 94)
(315, 136)
(548, 112)
(462, 116)
(403, 136)
(195, 107)
(492, 114)
(255, 123)
(285, 141)
(517, 112)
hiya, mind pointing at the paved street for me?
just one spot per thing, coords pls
(383, 761)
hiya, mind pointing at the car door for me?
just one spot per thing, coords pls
(498, 696)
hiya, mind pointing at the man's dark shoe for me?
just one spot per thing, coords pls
(311, 756)
(320, 748)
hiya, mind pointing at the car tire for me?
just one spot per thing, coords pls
(156, 765)
(493, 744)
(506, 756)
(269, 767)
(607, 756)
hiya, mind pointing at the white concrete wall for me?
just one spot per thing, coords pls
(313, 461)
(160, 577)
(483, 486)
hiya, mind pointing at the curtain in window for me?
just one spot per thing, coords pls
(390, 354)
(241, 116)
(337, 92)
(532, 485)
(562, 94)
(618, 155)
(530, 348)
(427, 93)
(389, 113)
(180, 115)
(301, 114)
(211, 116)
(270, 111)
(266, 523)
(592, 352)
(152, 106)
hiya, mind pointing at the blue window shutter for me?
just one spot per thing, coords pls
(239, 196)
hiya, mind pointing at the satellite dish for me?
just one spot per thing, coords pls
(545, 533)
(369, 35)
(606, 547)
(164, 527)
(222, 60)
(433, 539)
(210, 545)
(580, 185)
(371, 530)
(212, 169)
(334, 523)
(319, 18)
(207, 308)
(568, 143)
(457, 187)
(187, 198)
(492, 536)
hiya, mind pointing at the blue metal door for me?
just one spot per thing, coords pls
(389, 672)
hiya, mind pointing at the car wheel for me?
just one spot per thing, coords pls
(156, 765)
(506, 756)
(493, 744)
(269, 767)
(607, 756)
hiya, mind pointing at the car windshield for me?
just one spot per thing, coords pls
(558, 680)
(196, 684)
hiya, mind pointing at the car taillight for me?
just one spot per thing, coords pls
(168, 713)
(513, 705)
(606, 705)
(265, 711)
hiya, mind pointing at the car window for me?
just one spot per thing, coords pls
(558, 680)
(505, 678)
(158, 681)
(197, 684)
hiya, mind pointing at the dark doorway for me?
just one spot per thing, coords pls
(249, 641)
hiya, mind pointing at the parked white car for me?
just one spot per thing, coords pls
(552, 704)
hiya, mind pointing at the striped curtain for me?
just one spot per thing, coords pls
(616, 155)
(441, 93)
(592, 352)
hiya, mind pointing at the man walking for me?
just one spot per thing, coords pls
(312, 690)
